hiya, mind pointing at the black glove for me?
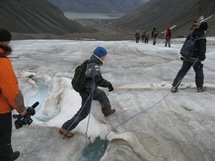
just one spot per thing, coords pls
(110, 87)
(202, 57)
(201, 65)
(26, 119)
(31, 111)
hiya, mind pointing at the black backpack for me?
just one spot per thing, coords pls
(188, 47)
(79, 79)
(155, 34)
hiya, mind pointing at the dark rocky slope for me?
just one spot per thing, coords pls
(36, 16)
(104, 6)
(161, 13)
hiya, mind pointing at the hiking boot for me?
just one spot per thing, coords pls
(109, 112)
(14, 155)
(201, 89)
(66, 133)
(174, 89)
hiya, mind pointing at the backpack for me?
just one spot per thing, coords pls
(79, 80)
(155, 34)
(168, 33)
(188, 47)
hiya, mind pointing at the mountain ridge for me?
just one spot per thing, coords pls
(29, 16)
(98, 6)
(162, 13)
(41, 19)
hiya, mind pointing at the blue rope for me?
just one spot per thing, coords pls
(88, 121)
(132, 117)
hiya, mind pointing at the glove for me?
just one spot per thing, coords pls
(201, 65)
(202, 57)
(26, 119)
(31, 111)
(110, 87)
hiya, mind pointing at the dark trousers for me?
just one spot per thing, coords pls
(154, 40)
(98, 95)
(5, 136)
(167, 42)
(146, 40)
(198, 68)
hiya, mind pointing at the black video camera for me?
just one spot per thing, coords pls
(26, 119)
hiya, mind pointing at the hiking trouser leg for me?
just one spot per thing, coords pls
(5, 128)
(199, 78)
(154, 41)
(7, 154)
(82, 112)
(169, 42)
(166, 42)
(100, 95)
(5, 136)
(181, 73)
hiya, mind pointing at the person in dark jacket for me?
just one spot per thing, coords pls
(91, 92)
(195, 61)
(146, 37)
(10, 98)
(154, 35)
(143, 36)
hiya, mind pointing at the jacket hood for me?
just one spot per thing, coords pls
(96, 60)
(6, 50)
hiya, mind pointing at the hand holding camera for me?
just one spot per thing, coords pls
(26, 118)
